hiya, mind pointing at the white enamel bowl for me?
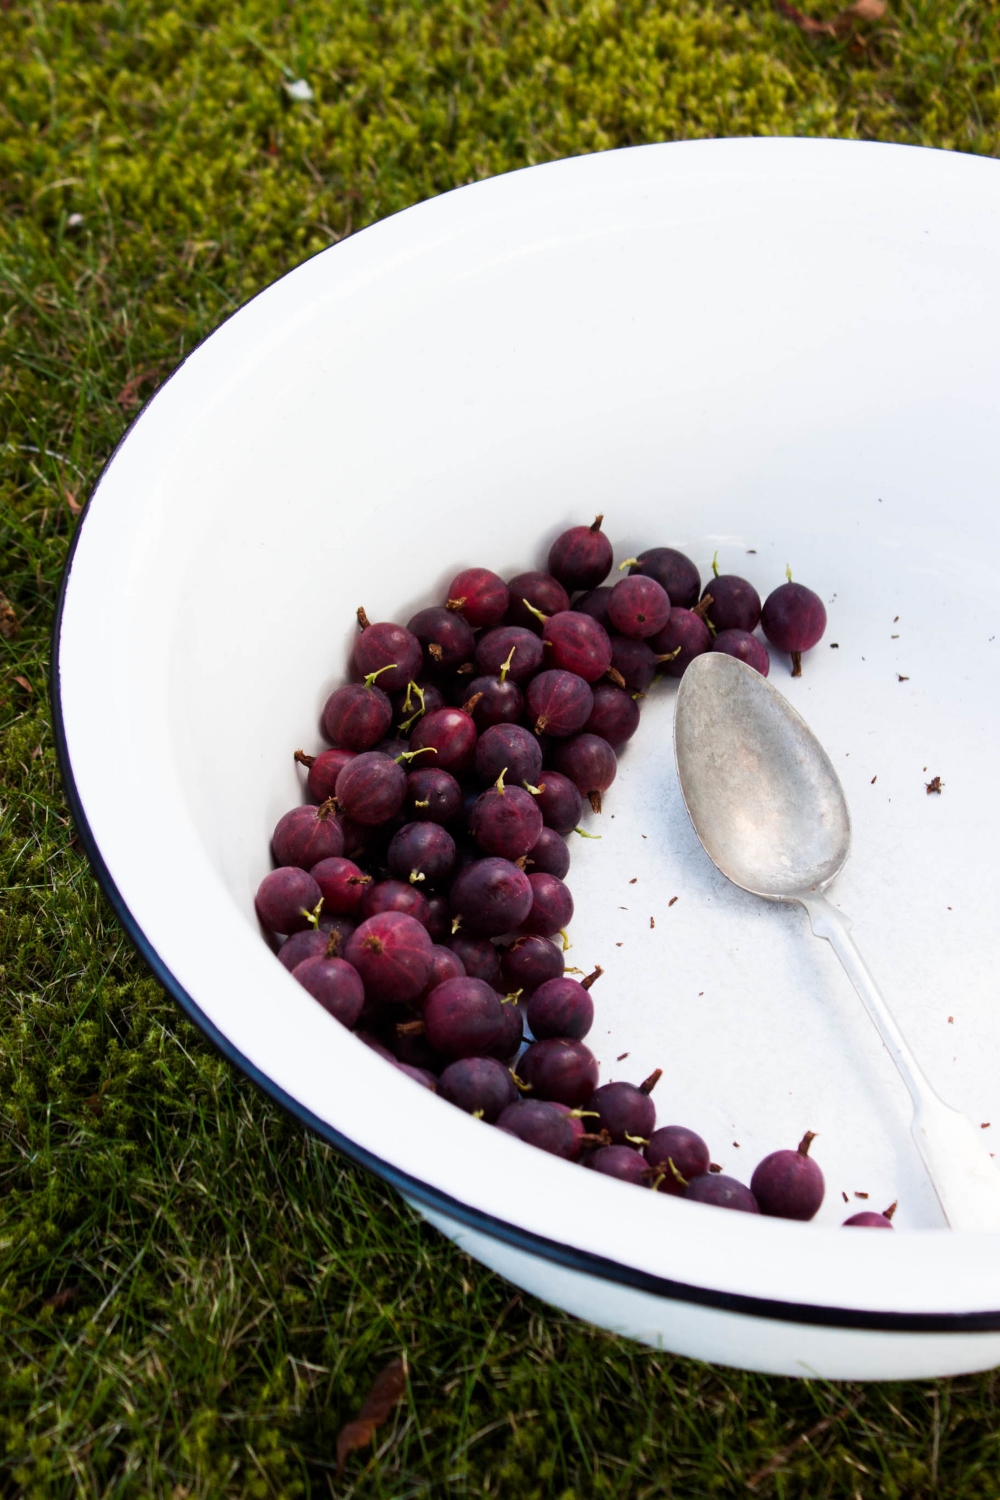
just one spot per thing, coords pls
(786, 350)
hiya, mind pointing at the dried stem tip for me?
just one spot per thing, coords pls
(304, 759)
(592, 977)
(363, 620)
(891, 1210)
(468, 707)
(649, 1084)
(806, 1142)
(597, 523)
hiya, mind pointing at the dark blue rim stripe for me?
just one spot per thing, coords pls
(574, 1259)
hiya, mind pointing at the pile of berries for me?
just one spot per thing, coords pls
(420, 894)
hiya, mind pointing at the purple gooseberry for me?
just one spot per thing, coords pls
(432, 795)
(492, 896)
(420, 698)
(421, 852)
(576, 643)
(509, 750)
(789, 1184)
(499, 701)
(371, 788)
(395, 895)
(530, 961)
(793, 619)
(505, 821)
(342, 885)
(729, 602)
(462, 1017)
(560, 802)
(508, 1041)
(626, 1111)
(357, 715)
(548, 855)
(673, 571)
(678, 1156)
(423, 1076)
(448, 737)
(389, 650)
(309, 943)
(392, 953)
(482, 1086)
(595, 604)
(446, 638)
(870, 1220)
(561, 1007)
(480, 596)
(539, 1124)
(684, 637)
(615, 715)
(445, 964)
(335, 984)
(590, 763)
(534, 594)
(559, 703)
(581, 557)
(633, 664)
(623, 1162)
(513, 647)
(288, 897)
(438, 921)
(745, 647)
(722, 1192)
(551, 907)
(479, 958)
(323, 770)
(559, 1069)
(638, 607)
(308, 834)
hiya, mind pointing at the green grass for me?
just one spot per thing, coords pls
(194, 1295)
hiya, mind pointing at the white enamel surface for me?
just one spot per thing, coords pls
(786, 346)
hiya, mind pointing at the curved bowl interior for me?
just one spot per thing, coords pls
(785, 351)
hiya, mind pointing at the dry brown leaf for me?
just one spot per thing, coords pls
(24, 683)
(9, 623)
(71, 500)
(387, 1390)
(838, 25)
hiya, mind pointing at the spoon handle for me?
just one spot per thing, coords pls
(958, 1162)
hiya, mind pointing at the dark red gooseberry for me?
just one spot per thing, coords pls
(789, 1184)
(491, 896)
(638, 607)
(445, 964)
(498, 702)
(423, 1076)
(673, 571)
(559, 1069)
(615, 715)
(559, 703)
(342, 884)
(438, 922)
(480, 596)
(595, 604)
(627, 1113)
(745, 647)
(538, 1124)
(560, 802)
(421, 851)
(530, 961)
(462, 1017)
(449, 739)
(508, 1041)
(722, 1192)
(446, 638)
(560, 1007)
(310, 943)
(580, 1119)
(548, 855)
(684, 637)
(551, 906)
(387, 646)
(357, 715)
(419, 698)
(392, 953)
(335, 984)
(543, 593)
(869, 1220)
(581, 557)
(682, 1147)
(505, 821)
(623, 1162)
(479, 958)
(793, 619)
(634, 662)
(287, 898)
(323, 770)
(306, 835)
(336, 930)
(576, 643)
(590, 763)
(481, 1086)
(371, 788)
(432, 795)
(395, 895)
(729, 602)
(509, 750)
(512, 646)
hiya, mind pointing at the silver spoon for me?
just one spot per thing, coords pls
(770, 810)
